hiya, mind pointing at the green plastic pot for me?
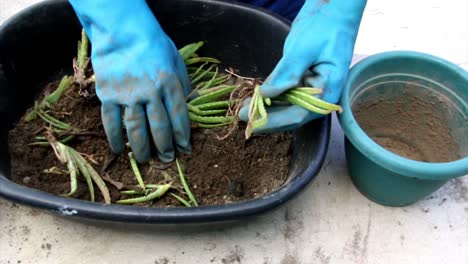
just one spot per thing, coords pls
(379, 174)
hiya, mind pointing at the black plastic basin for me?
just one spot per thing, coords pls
(40, 42)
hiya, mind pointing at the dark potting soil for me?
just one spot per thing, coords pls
(218, 171)
(415, 127)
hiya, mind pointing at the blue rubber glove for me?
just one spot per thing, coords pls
(317, 53)
(138, 69)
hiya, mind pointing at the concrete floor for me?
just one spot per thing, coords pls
(330, 222)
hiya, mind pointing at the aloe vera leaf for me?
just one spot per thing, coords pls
(197, 71)
(182, 200)
(221, 80)
(208, 75)
(52, 98)
(46, 143)
(99, 182)
(216, 82)
(71, 166)
(63, 86)
(133, 192)
(212, 90)
(67, 139)
(136, 171)
(149, 197)
(31, 116)
(202, 74)
(216, 105)
(199, 112)
(153, 186)
(263, 119)
(308, 90)
(212, 95)
(210, 119)
(52, 120)
(82, 50)
(300, 102)
(136, 192)
(190, 49)
(191, 70)
(315, 101)
(253, 113)
(212, 112)
(186, 187)
(208, 84)
(84, 171)
(201, 59)
(194, 109)
(90, 174)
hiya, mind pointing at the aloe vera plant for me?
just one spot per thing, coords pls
(50, 99)
(77, 165)
(193, 199)
(82, 54)
(302, 96)
(210, 88)
(136, 171)
(154, 194)
(210, 109)
(151, 192)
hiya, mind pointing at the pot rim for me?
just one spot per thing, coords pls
(377, 153)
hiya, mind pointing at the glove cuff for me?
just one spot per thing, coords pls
(115, 19)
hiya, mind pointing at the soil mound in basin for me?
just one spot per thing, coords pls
(218, 171)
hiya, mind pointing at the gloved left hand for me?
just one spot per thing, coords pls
(138, 69)
(317, 53)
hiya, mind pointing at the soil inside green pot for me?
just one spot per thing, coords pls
(218, 171)
(412, 124)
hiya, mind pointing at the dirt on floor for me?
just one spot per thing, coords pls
(415, 127)
(218, 171)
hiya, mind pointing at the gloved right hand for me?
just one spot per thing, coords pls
(138, 69)
(317, 53)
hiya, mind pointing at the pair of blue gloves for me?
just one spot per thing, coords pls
(138, 69)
